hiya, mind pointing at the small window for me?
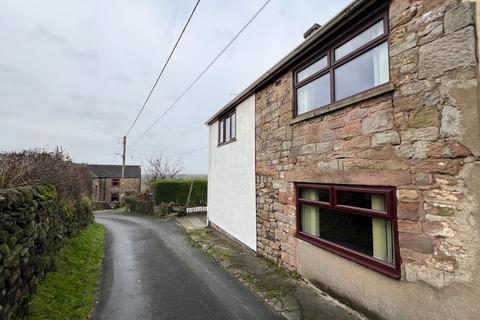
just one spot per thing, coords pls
(362, 39)
(316, 194)
(346, 68)
(228, 133)
(312, 69)
(365, 200)
(358, 223)
(115, 197)
(227, 128)
(115, 182)
(233, 119)
(221, 132)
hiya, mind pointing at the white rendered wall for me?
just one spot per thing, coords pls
(231, 178)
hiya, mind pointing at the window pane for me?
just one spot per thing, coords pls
(220, 132)
(313, 95)
(227, 129)
(362, 73)
(362, 200)
(234, 125)
(382, 240)
(310, 220)
(363, 38)
(347, 230)
(311, 69)
(315, 194)
(370, 236)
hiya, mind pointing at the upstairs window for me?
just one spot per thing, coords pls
(356, 63)
(115, 182)
(358, 223)
(227, 128)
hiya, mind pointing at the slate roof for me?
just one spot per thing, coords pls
(114, 171)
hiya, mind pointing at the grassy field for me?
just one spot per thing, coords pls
(69, 292)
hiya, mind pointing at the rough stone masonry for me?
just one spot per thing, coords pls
(423, 137)
(34, 225)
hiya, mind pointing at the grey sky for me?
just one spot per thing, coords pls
(75, 73)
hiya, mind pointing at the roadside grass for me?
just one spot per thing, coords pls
(69, 291)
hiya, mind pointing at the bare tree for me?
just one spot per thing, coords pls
(14, 169)
(160, 167)
(33, 167)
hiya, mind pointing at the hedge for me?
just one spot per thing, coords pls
(177, 191)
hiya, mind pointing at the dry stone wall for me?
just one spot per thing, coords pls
(423, 137)
(34, 225)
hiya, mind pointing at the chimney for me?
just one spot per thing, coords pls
(311, 30)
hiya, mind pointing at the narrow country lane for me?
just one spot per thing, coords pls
(152, 272)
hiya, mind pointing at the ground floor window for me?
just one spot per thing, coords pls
(358, 223)
(115, 197)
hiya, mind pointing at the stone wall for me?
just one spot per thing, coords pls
(422, 137)
(33, 228)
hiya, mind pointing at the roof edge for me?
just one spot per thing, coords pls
(312, 40)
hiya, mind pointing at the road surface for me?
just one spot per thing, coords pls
(151, 271)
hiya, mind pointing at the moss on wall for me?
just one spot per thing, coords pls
(34, 225)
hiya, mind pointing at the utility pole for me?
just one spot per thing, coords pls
(122, 182)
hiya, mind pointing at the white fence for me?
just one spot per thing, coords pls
(197, 209)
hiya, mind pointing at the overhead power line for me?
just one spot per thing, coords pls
(149, 153)
(203, 72)
(191, 151)
(163, 69)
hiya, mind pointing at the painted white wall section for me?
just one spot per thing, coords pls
(231, 178)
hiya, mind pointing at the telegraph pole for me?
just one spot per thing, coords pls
(122, 182)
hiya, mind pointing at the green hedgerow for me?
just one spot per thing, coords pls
(177, 191)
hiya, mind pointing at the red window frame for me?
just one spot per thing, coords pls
(391, 270)
(332, 64)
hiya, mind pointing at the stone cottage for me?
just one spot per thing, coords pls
(106, 181)
(355, 160)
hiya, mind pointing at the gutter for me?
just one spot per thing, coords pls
(293, 55)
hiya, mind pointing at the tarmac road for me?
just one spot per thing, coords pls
(151, 271)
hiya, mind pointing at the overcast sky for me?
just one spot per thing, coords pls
(75, 73)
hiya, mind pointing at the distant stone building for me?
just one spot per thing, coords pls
(106, 184)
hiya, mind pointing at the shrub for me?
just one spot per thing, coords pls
(129, 199)
(39, 167)
(177, 191)
(139, 206)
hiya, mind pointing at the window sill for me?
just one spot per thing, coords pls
(392, 271)
(224, 143)
(359, 97)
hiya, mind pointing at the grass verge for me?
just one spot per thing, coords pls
(69, 291)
